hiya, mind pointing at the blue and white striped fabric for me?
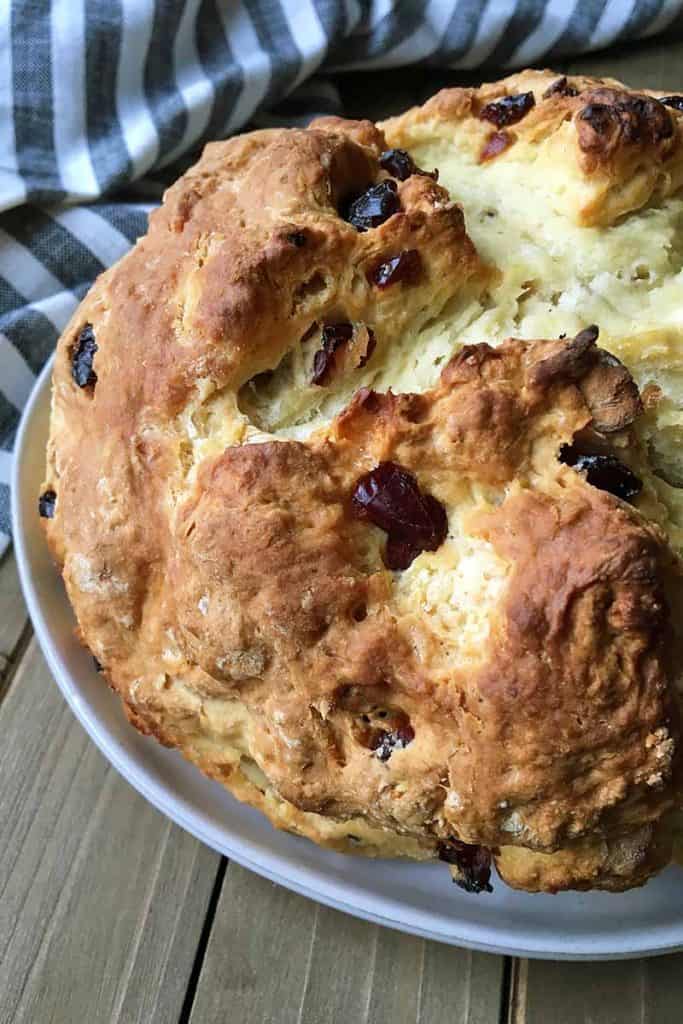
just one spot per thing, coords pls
(103, 104)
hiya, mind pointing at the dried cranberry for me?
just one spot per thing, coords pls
(334, 335)
(599, 116)
(400, 552)
(603, 471)
(322, 367)
(46, 504)
(404, 267)
(374, 206)
(82, 358)
(644, 119)
(560, 87)
(385, 743)
(97, 663)
(400, 164)
(390, 497)
(496, 143)
(676, 102)
(297, 238)
(509, 110)
(473, 863)
(639, 118)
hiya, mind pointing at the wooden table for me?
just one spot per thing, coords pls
(109, 913)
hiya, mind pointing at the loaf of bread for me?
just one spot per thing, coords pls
(366, 482)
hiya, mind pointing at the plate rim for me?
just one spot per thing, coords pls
(161, 797)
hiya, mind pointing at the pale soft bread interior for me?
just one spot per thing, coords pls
(553, 278)
(556, 277)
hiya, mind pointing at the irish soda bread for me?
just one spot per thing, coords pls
(366, 480)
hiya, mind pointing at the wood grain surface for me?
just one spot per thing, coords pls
(109, 913)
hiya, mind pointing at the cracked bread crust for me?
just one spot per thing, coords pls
(246, 616)
(608, 148)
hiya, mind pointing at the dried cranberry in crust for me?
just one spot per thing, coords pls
(46, 504)
(560, 87)
(373, 207)
(675, 102)
(644, 118)
(401, 551)
(334, 335)
(496, 143)
(297, 238)
(637, 118)
(385, 743)
(508, 110)
(600, 117)
(325, 360)
(404, 267)
(82, 358)
(603, 471)
(97, 663)
(322, 366)
(390, 497)
(400, 164)
(473, 863)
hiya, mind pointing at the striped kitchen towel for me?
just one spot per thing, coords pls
(103, 103)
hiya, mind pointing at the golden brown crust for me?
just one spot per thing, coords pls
(245, 612)
(612, 864)
(585, 610)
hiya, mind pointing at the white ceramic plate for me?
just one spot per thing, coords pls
(414, 898)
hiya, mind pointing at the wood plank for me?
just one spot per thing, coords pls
(663, 990)
(460, 985)
(625, 992)
(13, 615)
(102, 900)
(275, 956)
(341, 971)
(258, 953)
(396, 990)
